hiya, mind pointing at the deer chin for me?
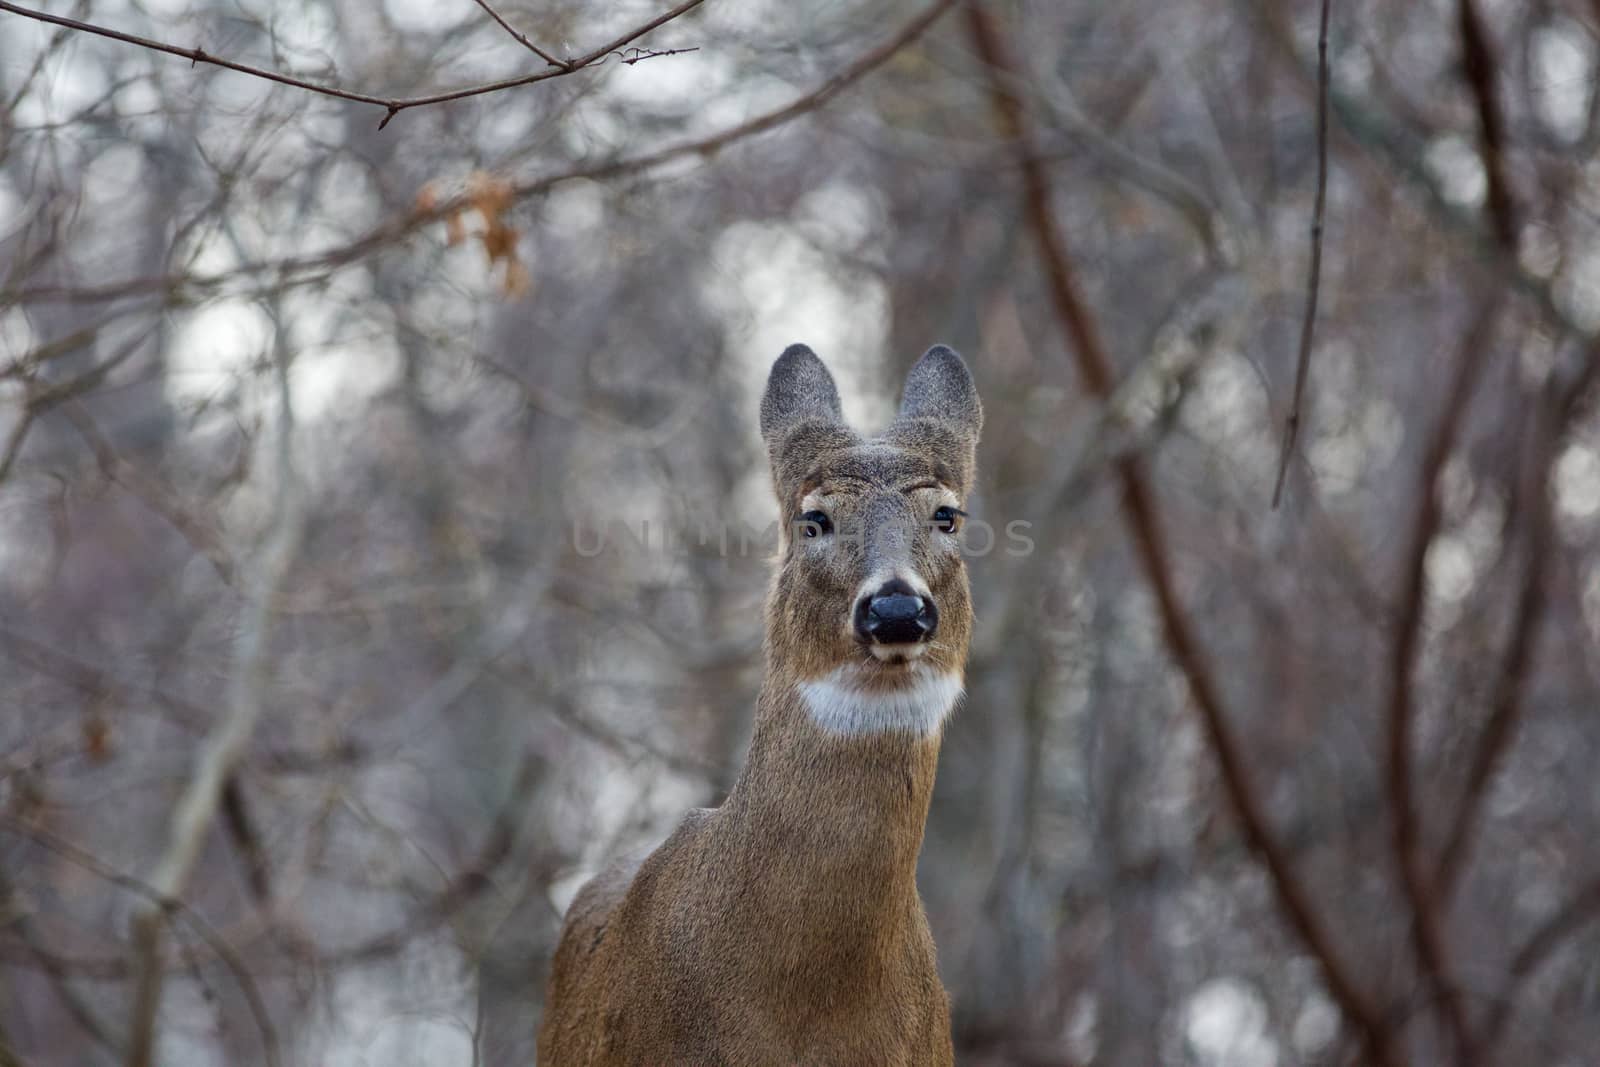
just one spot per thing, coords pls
(897, 655)
(865, 698)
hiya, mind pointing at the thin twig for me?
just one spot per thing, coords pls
(98, 683)
(21, 925)
(1402, 152)
(26, 365)
(224, 748)
(203, 536)
(1510, 687)
(1479, 67)
(240, 826)
(1167, 185)
(392, 105)
(864, 64)
(521, 38)
(1427, 921)
(39, 400)
(1582, 909)
(1561, 405)
(462, 888)
(165, 906)
(1142, 517)
(16, 438)
(1308, 324)
(630, 56)
(633, 35)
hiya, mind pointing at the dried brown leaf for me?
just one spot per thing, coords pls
(500, 242)
(490, 195)
(518, 280)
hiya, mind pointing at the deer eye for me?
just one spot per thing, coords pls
(814, 524)
(948, 518)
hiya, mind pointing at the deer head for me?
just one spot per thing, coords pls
(870, 615)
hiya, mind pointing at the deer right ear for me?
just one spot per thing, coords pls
(940, 387)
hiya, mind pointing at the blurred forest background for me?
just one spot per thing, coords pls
(313, 715)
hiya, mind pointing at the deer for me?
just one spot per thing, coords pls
(785, 926)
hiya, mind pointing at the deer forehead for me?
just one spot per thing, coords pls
(912, 497)
(875, 467)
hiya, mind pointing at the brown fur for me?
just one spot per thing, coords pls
(784, 928)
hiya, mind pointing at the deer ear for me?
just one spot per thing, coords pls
(798, 389)
(940, 415)
(940, 387)
(800, 418)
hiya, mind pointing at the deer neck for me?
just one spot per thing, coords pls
(827, 826)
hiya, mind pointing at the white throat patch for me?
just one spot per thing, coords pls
(918, 707)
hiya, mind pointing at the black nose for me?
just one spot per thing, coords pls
(896, 615)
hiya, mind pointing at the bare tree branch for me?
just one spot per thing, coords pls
(16, 438)
(1188, 200)
(22, 926)
(1581, 910)
(1510, 688)
(392, 105)
(159, 498)
(520, 37)
(391, 696)
(225, 746)
(310, 269)
(1427, 920)
(39, 400)
(165, 907)
(96, 683)
(462, 888)
(1399, 152)
(240, 826)
(1516, 671)
(1291, 426)
(1478, 61)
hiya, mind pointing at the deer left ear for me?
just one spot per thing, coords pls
(940, 411)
